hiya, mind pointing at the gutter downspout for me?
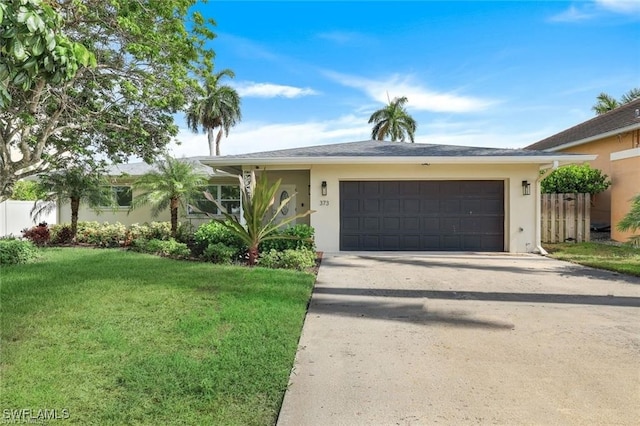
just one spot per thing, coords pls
(539, 247)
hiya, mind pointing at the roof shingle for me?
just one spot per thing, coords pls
(623, 117)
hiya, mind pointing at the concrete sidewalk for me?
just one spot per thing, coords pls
(408, 339)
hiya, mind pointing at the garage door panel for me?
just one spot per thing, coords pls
(372, 205)
(430, 207)
(370, 224)
(350, 224)
(450, 206)
(391, 206)
(431, 226)
(411, 224)
(391, 224)
(422, 215)
(411, 206)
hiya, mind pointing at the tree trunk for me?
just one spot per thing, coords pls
(253, 255)
(212, 142)
(218, 142)
(75, 206)
(174, 216)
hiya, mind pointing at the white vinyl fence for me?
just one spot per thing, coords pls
(16, 216)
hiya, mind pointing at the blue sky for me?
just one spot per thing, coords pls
(476, 73)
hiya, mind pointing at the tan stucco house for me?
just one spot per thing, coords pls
(379, 196)
(222, 185)
(615, 138)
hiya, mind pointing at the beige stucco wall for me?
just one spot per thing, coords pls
(601, 204)
(625, 174)
(520, 214)
(139, 215)
(300, 180)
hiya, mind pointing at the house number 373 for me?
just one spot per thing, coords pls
(324, 202)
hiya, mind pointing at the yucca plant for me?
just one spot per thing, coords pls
(256, 202)
(631, 222)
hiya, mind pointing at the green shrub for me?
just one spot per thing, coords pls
(575, 179)
(101, 234)
(304, 239)
(219, 253)
(14, 251)
(215, 232)
(168, 248)
(38, 235)
(149, 231)
(60, 234)
(288, 259)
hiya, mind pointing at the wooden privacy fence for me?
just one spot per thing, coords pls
(565, 218)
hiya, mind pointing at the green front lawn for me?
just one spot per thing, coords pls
(623, 259)
(117, 337)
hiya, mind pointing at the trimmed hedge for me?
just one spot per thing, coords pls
(301, 259)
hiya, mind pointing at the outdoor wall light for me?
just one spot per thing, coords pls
(323, 187)
(526, 188)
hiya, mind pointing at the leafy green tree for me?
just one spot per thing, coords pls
(575, 179)
(172, 185)
(606, 102)
(393, 121)
(149, 57)
(36, 49)
(631, 222)
(79, 184)
(218, 107)
(256, 203)
(28, 190)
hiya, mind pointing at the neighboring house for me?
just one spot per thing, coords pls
(615, 138)
(221, 185)
(373, 195)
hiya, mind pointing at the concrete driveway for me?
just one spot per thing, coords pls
(414, 339)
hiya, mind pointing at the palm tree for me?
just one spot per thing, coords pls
(631, 222)
(219, 108)
(78, 184)
(256, 202)
(606, 102)
(174, 183)
(393, 121)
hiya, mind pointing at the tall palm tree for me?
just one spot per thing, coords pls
(80, 184)
(219, 108)
(606, 102)
(394, 121)
(172, 185)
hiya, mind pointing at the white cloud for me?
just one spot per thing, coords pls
(344, 37)
(573, 14)
(419, 97)
(270, 90)
(256, 136)
(589, 10)
(621, 6)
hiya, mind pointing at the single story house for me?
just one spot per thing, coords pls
(614, 137)
(222, 185)
(376, 195)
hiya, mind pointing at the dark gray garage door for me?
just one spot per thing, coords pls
(422, 215)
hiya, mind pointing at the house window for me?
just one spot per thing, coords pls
(226, 195)
(122, 196)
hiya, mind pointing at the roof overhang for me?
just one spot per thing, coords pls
(615, 132)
